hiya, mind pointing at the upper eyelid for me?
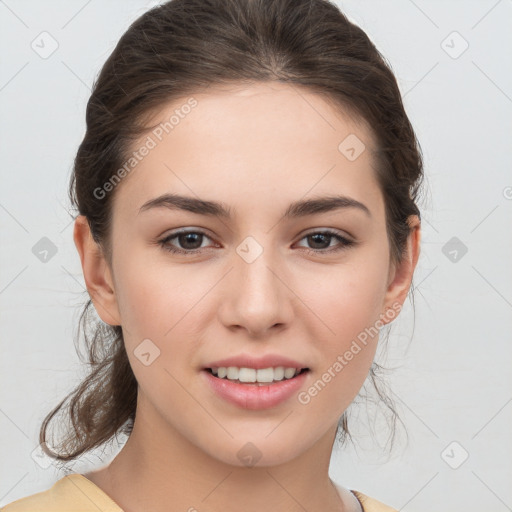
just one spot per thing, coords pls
(174, 234)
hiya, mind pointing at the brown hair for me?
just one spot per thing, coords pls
(182, 47)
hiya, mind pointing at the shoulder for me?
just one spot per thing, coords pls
(371, 504)
(72, 492)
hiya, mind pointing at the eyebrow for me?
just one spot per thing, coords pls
(297, 209)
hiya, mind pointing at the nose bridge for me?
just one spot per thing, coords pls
(255, 273)
(258, 299)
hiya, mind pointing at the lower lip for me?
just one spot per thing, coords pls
(254, 396)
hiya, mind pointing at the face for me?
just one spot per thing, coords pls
(267, 281)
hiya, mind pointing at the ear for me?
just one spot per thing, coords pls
(400, 275)
(97, 274)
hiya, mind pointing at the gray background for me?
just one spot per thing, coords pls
(452, 378)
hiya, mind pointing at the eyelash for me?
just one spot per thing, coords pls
(345, 242)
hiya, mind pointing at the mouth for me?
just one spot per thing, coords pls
(256, 377)
(255, 388)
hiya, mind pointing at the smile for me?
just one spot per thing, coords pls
(244, 375)
(248, 392)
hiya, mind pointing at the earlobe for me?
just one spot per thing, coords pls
(402, 274)
(97, 274)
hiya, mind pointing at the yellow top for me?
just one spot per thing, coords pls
(76, 493)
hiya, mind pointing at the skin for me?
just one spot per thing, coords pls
(256, 149)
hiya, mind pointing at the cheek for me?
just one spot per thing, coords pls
(347, 302)
(158, 305)
(346, 299)
(347, 338)
(152, 298)
(166, 306)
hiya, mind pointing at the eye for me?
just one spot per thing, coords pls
(321, 238)
(191, 242)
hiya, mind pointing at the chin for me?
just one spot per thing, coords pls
(256, 451)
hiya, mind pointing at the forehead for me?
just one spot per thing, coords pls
(248, 143)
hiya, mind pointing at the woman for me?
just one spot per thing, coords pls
(246, 190)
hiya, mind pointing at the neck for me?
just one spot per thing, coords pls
(158, 469)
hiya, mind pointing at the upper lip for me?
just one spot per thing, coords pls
(248, 361)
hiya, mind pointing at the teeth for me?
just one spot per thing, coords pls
(263, 375)
(232, 373)
(289, 373)
(279, 373)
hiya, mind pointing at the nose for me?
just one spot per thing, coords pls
(256, 297)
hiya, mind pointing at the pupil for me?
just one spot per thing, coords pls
(319, 235)
(189, 237)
